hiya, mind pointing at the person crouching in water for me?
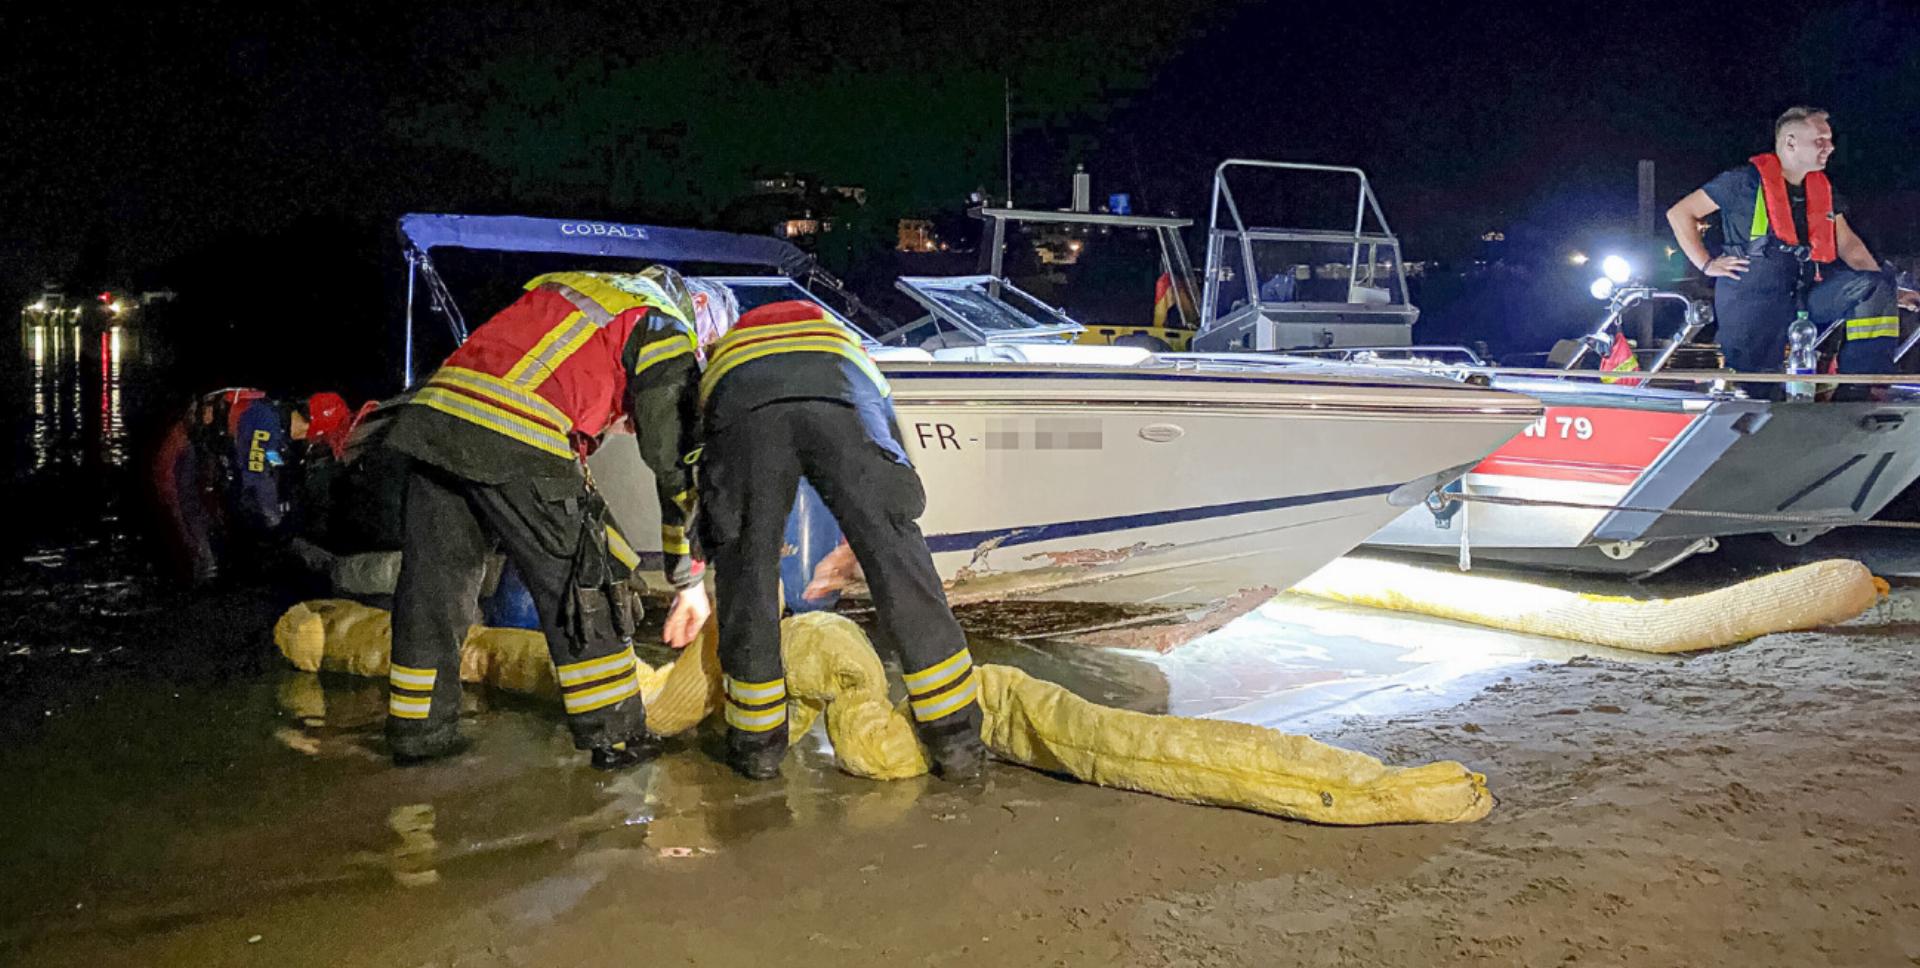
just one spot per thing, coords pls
(789, 392)
(497, 439)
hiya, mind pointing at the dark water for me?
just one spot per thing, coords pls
(73, 563)
(162, 768)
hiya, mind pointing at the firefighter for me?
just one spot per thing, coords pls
(789, 392)
(497, 439)
(1785, 245)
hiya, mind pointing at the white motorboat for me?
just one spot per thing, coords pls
(1092, 473)
(1616, 476)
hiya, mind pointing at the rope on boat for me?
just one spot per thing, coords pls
(1692, 376)
(1762, 517)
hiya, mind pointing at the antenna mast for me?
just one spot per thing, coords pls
(1006, 86)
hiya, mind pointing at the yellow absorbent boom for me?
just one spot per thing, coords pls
(833, 671)
(1810, 596)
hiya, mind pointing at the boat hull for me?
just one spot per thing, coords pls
(1113, 484)
(1774, 466)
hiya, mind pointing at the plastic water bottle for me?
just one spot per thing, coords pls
(1801, 359)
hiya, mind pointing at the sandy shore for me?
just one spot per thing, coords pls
(1751, 807)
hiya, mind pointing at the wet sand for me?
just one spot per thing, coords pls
(1755, 806)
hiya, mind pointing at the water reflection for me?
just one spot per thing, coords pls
(42, 388)
(59, 386)
(113, 429)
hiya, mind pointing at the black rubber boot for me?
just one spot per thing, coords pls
(756, 756)
(627, 754)
(418, 750)
(961, 759)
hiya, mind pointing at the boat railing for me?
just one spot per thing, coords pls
(1369, 306)
(1695, 318)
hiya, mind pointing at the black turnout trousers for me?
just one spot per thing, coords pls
(749, 472)
(451, 526)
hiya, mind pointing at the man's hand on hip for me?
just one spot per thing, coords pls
(1726, 266)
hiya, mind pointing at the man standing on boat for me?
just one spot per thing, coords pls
(787, 393)
(498, 438)
(1786, 246)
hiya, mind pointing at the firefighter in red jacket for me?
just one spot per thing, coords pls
(789, 392)
(1786, 245)
(497, 439)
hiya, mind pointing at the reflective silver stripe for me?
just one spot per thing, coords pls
(928, 710)
(409, 678)
(592, 310)
(792, 344)
(488, 385)
(617, 543)
(755, 693)
(933, 677)
(407, 707)
(574, 674)
(607, 695)
(533, 371)
(758, 722)
(487, 415)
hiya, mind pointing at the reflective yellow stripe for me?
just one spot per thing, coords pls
(954, 700)
(617, 543)
(576, 673)
(553, 350)
(684, 501)
(1625, 365)
(755, 334)
(407, 677)
(661, 352)
(755, 693)
(1873, 327)
(673, 540)
(588, 701)
(488, 385)
(934, 677)
(758, 722)
(822, 344)
(572, 324)
(406, 707)
(493, 418)
(612, 297)
(1758, 229)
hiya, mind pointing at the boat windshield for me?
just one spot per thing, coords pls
(988, 309)
(756, 291)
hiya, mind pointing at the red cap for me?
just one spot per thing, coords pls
(785, 311)
(328, 420)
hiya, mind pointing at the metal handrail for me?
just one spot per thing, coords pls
(1364, 201)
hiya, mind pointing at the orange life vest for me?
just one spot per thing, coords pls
(1772, 213)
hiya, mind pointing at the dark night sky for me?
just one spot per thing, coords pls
(151, 136)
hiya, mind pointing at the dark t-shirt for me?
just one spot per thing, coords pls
(1737, 192)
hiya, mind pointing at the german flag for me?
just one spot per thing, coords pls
(1162, 298)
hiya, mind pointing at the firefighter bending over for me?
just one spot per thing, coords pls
(789, 393)
(497, 439)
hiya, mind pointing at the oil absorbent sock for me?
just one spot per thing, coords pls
(1810, 596)
(833, 671)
